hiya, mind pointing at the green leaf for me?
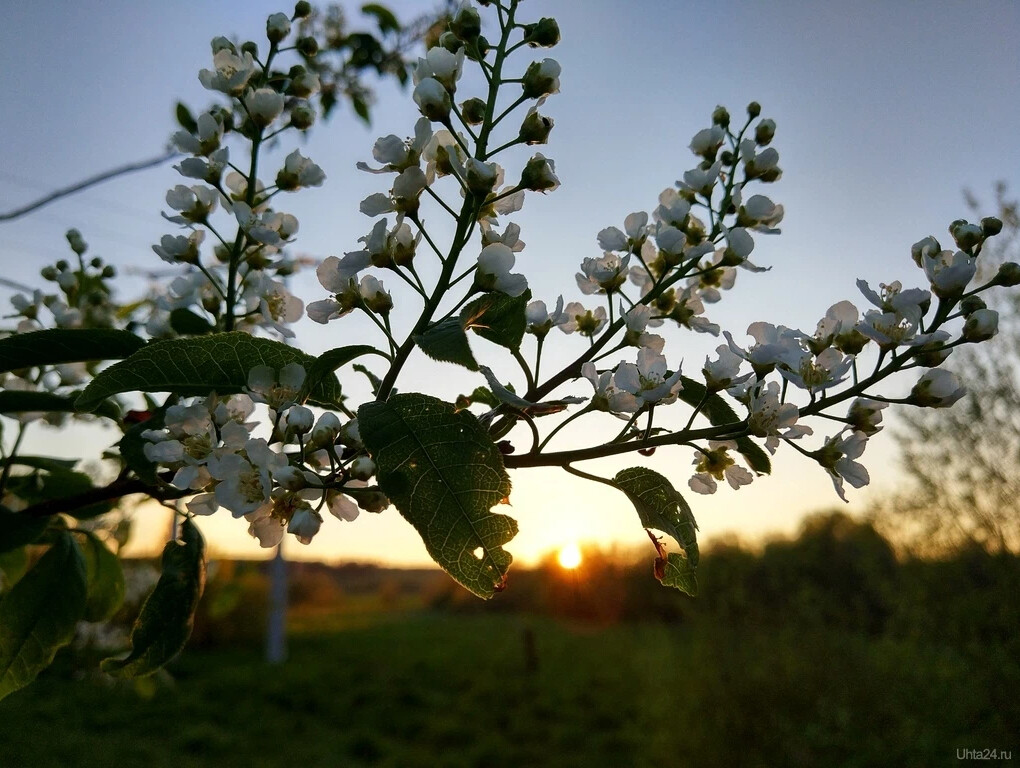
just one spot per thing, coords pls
(374, 380)
(361, 108)
(443, 472)
(188, 323)
(105, 579)
(498, 318)
(447, 341)
(661, 506)
(165, 622)
(484, 396)
(185, 118)
(13, 566)
(17, 530)
(18, 401)
(219, 363)
(383, 16)
(40, 462)
(331, 360)
(719, 412)
(65, 345)
(38, 615)
(58, 484)
(677, 572)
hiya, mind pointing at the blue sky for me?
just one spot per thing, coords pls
(885, 112)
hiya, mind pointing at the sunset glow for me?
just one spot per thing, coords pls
(569, 556)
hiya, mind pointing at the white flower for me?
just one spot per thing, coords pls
(688, 312)
(636, 228)
(707, 141)
(494, 264)
(374, 295)
(232, 72)
(837, 458)
(603, 274)
(278, 389)
(937, 389)
(723, 373)
(277, 27)
(587, 322)
(760, 213)
(540, 321)
(304, 524)
(205, 140)
(297, 172)
(511, 236)
(815, 372)
(714, 278)
(397, 154)
(701, 180)
(608, 397)
(840, 319)
(648, 380)
(637, 319)
(865, 415)
(265, 527)
(276, 304)
(949, 272)
(716, 464)
(928, 246)
(768, 416)
(433, 100)
(245, 482)
(739, 244)
(441, 65)
(264, 105)
(194, 203)
(176, 249)
(672, 209)
(341, 506)
(773, 344)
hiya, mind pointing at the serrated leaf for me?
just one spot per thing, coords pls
(661, 506)
(65, 345)
(188, 323)
(383, 16)
(219, 363)
(444, 474)
(13, 566)
(38, 614)
(484, 396)
(677, 572)
(719, 412)
(165, 622)
(17, 530)
(447, 341)
(498, 318)
(330, 361)
(23, 401)
(104, 579)
(185, 118)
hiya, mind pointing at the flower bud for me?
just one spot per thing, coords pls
(48, 273)
(74, 239)
(466, 23)
(299, 420)
(302, 116)
(937, 389)
(362, 468)
(305, 524)
(545, 33)
(981, 325)
(473, 111)
(307, 46)
(264, 105)
(221, 43)
(925, 247)
(721, 116)
(754, 109)
(250, 47)
(991, 226)
(765, 132)
(289, 477)
(971, 304)
(535, 128)
(433, 100)
(539, 174)
(450, 42)
(326, 430)
(1008, 274)
(277, 27)
(965, 234)
(541, 78)
(302, 9)
(108, 272)
(479, 176)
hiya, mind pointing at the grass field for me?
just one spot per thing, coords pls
(431, 690)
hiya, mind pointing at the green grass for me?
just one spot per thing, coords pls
(454, 691)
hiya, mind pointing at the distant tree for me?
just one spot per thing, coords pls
(965, 461)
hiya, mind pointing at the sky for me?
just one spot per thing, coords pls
(886, 111)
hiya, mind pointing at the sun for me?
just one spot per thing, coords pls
(569, 556)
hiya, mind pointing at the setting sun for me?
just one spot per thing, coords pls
(569, 556)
